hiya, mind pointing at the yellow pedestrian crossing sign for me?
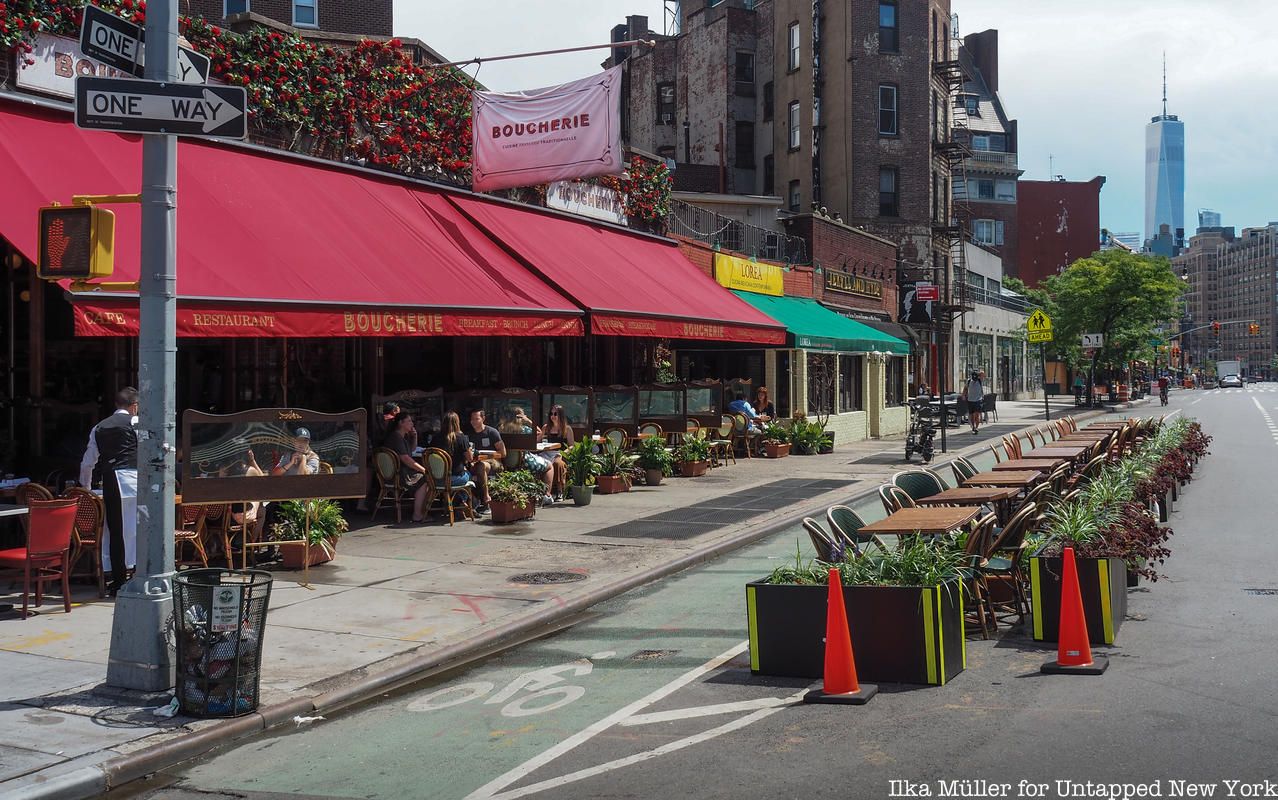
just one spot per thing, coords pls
(1039, 326)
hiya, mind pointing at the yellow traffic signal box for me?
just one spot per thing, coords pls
(76, 242)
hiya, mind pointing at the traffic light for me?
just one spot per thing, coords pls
(1175, 351)
(1215, 328)
(1253, 329)
(75, 242)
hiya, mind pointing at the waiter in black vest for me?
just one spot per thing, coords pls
(113, 451)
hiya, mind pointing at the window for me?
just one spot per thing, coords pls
(984, 189)
(769, 175)
(988, 231)
(235, 7)
(794, 196)
(745, 68)
(895, 388)
(981, 143)
(768, 101)
(745, 145)
(940, 118)
(1005, 190)
(972, 105)
(306, 13)
(820, 383)
(889, 194)
(998, 142)
(851, 392)
(794, 125)
(888, 34)
(793, 62)
(665, 103)
(887, 110)
(781, 390)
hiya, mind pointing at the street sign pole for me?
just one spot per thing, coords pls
(139, 656)
(1042, 360)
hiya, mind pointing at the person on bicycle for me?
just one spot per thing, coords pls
(1162, 389)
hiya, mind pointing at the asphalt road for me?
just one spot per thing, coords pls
(653, 696)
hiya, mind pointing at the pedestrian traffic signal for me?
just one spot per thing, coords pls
(75, 242)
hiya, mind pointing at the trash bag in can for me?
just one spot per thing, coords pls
(220, 617)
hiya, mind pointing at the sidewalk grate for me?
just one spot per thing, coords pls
(528, 578)
(710, 515)
(1262, 592)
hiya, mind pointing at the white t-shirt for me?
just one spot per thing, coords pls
(975, 392)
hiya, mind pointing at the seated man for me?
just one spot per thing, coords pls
(411, 471)
(741, 406)
(302, 461)
(485, 437)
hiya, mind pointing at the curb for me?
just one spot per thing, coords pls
(119, 771)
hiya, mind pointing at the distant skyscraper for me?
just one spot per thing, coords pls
(1131, 239)
(1165, 173)
(1208, 218)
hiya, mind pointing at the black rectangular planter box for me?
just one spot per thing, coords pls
(900, 634)
(1103, 582)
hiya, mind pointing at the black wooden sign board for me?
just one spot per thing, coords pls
(182, 109)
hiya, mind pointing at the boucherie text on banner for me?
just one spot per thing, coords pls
(544, 135)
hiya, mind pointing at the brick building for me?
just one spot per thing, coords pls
(986, 180)
(362, 17)
(1057, 222)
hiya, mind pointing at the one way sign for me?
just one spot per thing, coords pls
(121, 44)
(128, 106)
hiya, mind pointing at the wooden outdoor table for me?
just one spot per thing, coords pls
(972, 495)
(11, 510)
(1021, 479)
(1040, 464)
(927, 521)
(1116, 425)
(1060, 450)
(1097, 436)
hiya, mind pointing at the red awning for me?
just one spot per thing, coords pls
(632, 285)
(278, 246)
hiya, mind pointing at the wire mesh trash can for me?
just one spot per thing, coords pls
(220, 619)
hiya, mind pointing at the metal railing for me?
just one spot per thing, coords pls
(726, 233)
(981, 295)
(993, 157)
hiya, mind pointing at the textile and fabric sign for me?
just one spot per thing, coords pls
(616, 325)
(587, 200)
(545, 135)
(853, 284)
(58, 62)
(915, 311)
(748, 276)
(206, 320)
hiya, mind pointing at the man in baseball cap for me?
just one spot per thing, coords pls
(303, 460)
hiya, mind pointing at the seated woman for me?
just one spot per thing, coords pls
(763, 405)
(516, 421)
(558, 431)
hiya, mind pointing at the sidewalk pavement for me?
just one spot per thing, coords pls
(401, 602)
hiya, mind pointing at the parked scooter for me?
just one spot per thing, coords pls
(922, 431)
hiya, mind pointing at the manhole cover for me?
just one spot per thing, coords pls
(650, 655)
(1262, 592)
(546, 577)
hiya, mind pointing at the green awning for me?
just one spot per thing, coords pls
(812, 326)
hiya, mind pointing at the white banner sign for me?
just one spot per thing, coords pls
(58, 60)
(587, 200)
(545, 135)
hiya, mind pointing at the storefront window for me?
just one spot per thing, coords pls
(1011, 365)
(851, 384)
(976, 354)
(894, 391)
(781, 391)
(821, 380)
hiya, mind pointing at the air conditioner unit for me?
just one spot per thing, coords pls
(667, 119)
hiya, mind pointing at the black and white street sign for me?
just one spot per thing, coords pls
(119, 43)
(129, 106)
(1093, 340)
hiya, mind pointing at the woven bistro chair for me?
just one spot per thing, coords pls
(998, 459)
(390, 484)
(975, 553)
(28, 492)
(894, 498)
(743, 436)
(1003, 562)
(847, 524)
(825, 543)
(650, 429)
(963, 469)
(86, 534)
(439, 466)
(918, 483)
(191, 530)
(617, 437)
(46, 556)
(722, 445)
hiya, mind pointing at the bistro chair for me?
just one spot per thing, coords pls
(918, 483)
(390, 484)
(1038, 495)
(26, 493)
(894, 498)
(691, 426)
(47, 556)
(823, 542)
(650, 429)
(998, 459)
(975, 552)
(439, 466)
(722, 446)
(616, 437)
(963, 469)
(325, 468)
(192, 521)
(1012, 447)
(989, 407)
(86, 533)
(1003, 564)
(847, 524)
(1088, 472)
(746, 438)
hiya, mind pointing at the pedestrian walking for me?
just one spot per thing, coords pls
(974, 393)
(113, 452)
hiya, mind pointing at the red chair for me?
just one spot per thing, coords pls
(47, 555)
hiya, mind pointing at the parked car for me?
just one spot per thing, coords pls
(1253, 379)
(1231, 381)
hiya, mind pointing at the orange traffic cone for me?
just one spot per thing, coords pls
(840, 685)
(1074, 654)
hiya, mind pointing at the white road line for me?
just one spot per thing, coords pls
(1196, 402)
(704, 711)
(489, 790)
(669, 747)
(1259, 406)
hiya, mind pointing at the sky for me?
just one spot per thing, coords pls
(1083, 78)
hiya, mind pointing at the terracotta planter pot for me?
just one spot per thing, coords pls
(312, 554)
(611, 484)
(776, 449)
(509, 511)
(693, 469)
(652, 477)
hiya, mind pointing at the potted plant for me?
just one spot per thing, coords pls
(693, 455)
(905, 615)
(514, 495)
(807, 437)
(325, 526)
(583, 467)
(776, 440)
(655, 460)
(615, 467)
